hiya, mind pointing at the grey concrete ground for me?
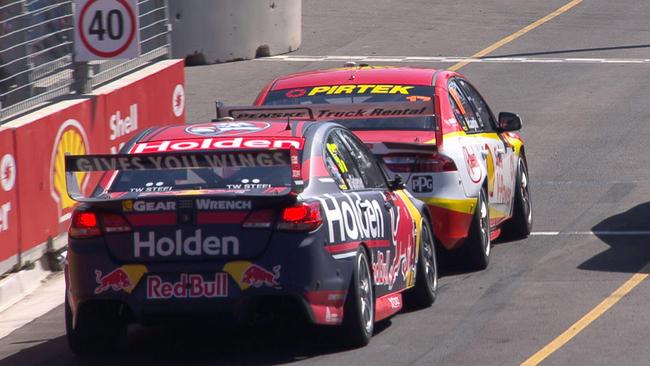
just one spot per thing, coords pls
(586, 130)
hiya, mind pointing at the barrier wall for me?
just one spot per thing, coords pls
(8, 202)
(97, 123)
(208, 31)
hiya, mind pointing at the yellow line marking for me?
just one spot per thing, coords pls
(517, 34)
(596, 312)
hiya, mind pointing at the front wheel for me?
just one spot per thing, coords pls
(423, 294)
(478, 245)
(359, 311)
(521, 223)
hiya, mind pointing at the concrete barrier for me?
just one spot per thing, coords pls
(209, 31)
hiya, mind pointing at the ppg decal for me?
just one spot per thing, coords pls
(422, 184)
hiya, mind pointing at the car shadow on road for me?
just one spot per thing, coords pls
(200, 345)
(627, 235)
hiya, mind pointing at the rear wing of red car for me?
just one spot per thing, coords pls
(184, 160)
(316, 112)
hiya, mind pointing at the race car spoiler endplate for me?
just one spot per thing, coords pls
(315, 112)
(178, 160)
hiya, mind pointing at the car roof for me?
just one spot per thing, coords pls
(271, 128)
(357, 75)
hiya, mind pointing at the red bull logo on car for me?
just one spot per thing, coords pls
(257, 276)
(247, 275)
(189, 286)
(124, 278)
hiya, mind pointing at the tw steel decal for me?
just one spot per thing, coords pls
(352, 218)
(189, 286)
(219, 143)
(227, 128)
(193, 245)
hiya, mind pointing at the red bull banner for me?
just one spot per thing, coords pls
(8, 200)
(100, 124)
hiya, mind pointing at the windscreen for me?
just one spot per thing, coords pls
(358, 94)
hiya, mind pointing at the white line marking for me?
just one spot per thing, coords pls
(344, 255)
(452, 59)
(594, 233)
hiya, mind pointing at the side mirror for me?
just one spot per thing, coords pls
(509, 122)
(396, 184)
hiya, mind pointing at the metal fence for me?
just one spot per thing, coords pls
(36, 52)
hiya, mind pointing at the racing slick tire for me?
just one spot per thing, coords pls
(359, 309)
(92, 339)
(521, 223)
(478, 245)
(423, 294)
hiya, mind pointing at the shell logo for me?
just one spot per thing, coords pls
(72, 139)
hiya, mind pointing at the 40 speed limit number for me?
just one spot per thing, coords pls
(106, 29)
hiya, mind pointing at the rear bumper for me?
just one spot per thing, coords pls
(291, 273)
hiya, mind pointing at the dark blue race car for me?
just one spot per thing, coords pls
(238, 217)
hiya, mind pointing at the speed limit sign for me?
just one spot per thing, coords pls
(106, 29)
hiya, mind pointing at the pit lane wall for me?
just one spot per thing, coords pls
(34, 206)
(209, 31)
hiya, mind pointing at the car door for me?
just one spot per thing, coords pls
(502, 154)
(393, 265)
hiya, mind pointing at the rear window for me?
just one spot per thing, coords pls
(362, 93)
(237, 171)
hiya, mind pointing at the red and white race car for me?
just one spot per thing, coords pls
(468, 166)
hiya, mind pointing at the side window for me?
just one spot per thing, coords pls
(462, 107)
(367, 164)
(341, 164)
(480, 106)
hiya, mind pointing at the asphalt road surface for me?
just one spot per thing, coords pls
(574, 293)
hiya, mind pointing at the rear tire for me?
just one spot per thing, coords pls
(478, 245)
(521, 223)
(359, 311)
(423, 294)
(92, 339)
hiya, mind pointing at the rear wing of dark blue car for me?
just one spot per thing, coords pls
(275, 158)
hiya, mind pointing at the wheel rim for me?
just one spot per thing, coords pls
(525, 194)
(485, 224)
(428, 251)
(365, 294)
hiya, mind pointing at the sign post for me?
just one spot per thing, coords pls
(106, 29)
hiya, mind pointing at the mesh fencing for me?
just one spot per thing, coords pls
(36, 52)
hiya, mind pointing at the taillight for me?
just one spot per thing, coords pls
(84, 225)
(301, 217)
(260, 219)
(88, 224)
(113, 223)
(435, 163)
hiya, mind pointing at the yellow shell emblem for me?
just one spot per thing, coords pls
(71, 140)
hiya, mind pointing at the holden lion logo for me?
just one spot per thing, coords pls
(71, 139)
(227, 128)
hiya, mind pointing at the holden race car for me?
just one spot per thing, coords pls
(244, 218)
(475, 181)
